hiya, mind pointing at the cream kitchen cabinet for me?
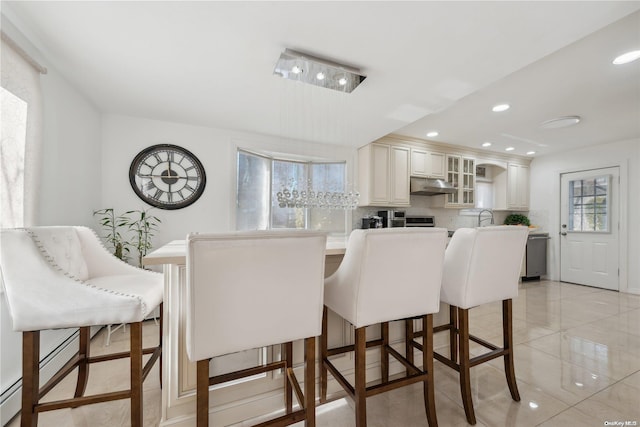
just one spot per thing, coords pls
(511, 188)
(461, 173)
(383, 175)
(427, 164)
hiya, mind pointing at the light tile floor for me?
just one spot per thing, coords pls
(577, 359)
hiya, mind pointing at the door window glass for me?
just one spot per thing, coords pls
(589, 204)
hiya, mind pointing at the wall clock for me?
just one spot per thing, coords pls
(167, 176)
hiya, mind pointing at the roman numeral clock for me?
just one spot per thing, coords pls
(167, 176)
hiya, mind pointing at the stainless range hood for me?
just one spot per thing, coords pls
(430, 187)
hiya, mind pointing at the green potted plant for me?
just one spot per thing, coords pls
(143, 227)
(111, 224)
(517, 219)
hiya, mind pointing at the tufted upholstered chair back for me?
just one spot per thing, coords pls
(482, 265)
(253, 289)
(58, 277)
(388, 274)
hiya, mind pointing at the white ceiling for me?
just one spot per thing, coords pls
(429, 65)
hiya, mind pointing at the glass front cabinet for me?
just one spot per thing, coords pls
(461, 173)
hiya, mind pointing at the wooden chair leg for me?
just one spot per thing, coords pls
(408, 339)
(465, 379)
(160, 343)
(360, 380)
(202, 393)
(310, 381)
(287, 348)
(427, 366)
(324, 342)
(384, 353)
(30, 378)
(136, 374)
(507, 331)
(453, 333)
(83, 366)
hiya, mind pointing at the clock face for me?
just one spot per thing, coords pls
(167, 176)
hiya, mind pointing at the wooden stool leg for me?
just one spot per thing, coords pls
(360, 380)
(408, 339)
(83, 366)
(30, 378)
(384, 353)
(453, 333)
(507, 331)
(136, 374)
(465, 379)
(427, 366)
(310, 381)
(324, 342)
(160, 343)
(202, 393)
(287, 348)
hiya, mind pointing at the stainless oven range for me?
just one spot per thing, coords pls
(420, 221)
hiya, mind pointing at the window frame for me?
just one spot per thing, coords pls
(308, 161)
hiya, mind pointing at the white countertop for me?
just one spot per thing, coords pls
(175, 252)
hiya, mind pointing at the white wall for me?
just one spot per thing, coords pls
(123, 137)
(545, 180)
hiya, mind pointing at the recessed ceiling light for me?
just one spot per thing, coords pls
(320, 76)
(625, 58)
(500, 108)
(560, 122)
(432, 134)
(509, 149)
(342, 81)
(296, 69)
(486, 144)
(530, 153)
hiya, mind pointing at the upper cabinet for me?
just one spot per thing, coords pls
(384, 168)
(427, 164)
(383, 175)
(461, 172)
(511, 188)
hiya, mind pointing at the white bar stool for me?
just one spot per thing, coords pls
(386, 274)
(482, 265)
(254, 289)
(62, 277)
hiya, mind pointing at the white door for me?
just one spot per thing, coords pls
(589, 227)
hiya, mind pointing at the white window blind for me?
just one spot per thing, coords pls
(20, 135)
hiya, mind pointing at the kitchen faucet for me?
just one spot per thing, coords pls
(480, 215)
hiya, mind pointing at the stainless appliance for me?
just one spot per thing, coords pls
(535, 256)
(392, 218)
(372, 222)
(430, 186)
(420, 221)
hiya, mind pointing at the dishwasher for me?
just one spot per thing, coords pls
(535, 259)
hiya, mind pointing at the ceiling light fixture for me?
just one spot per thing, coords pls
(500, 108)
(530, 153)
(486, 144)
(560, 122)
(625, 58)
(509, 149)
(306, 68)
(432, 134)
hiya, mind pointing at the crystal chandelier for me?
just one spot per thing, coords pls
(293, 196)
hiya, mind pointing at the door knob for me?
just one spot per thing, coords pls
(563, 233)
